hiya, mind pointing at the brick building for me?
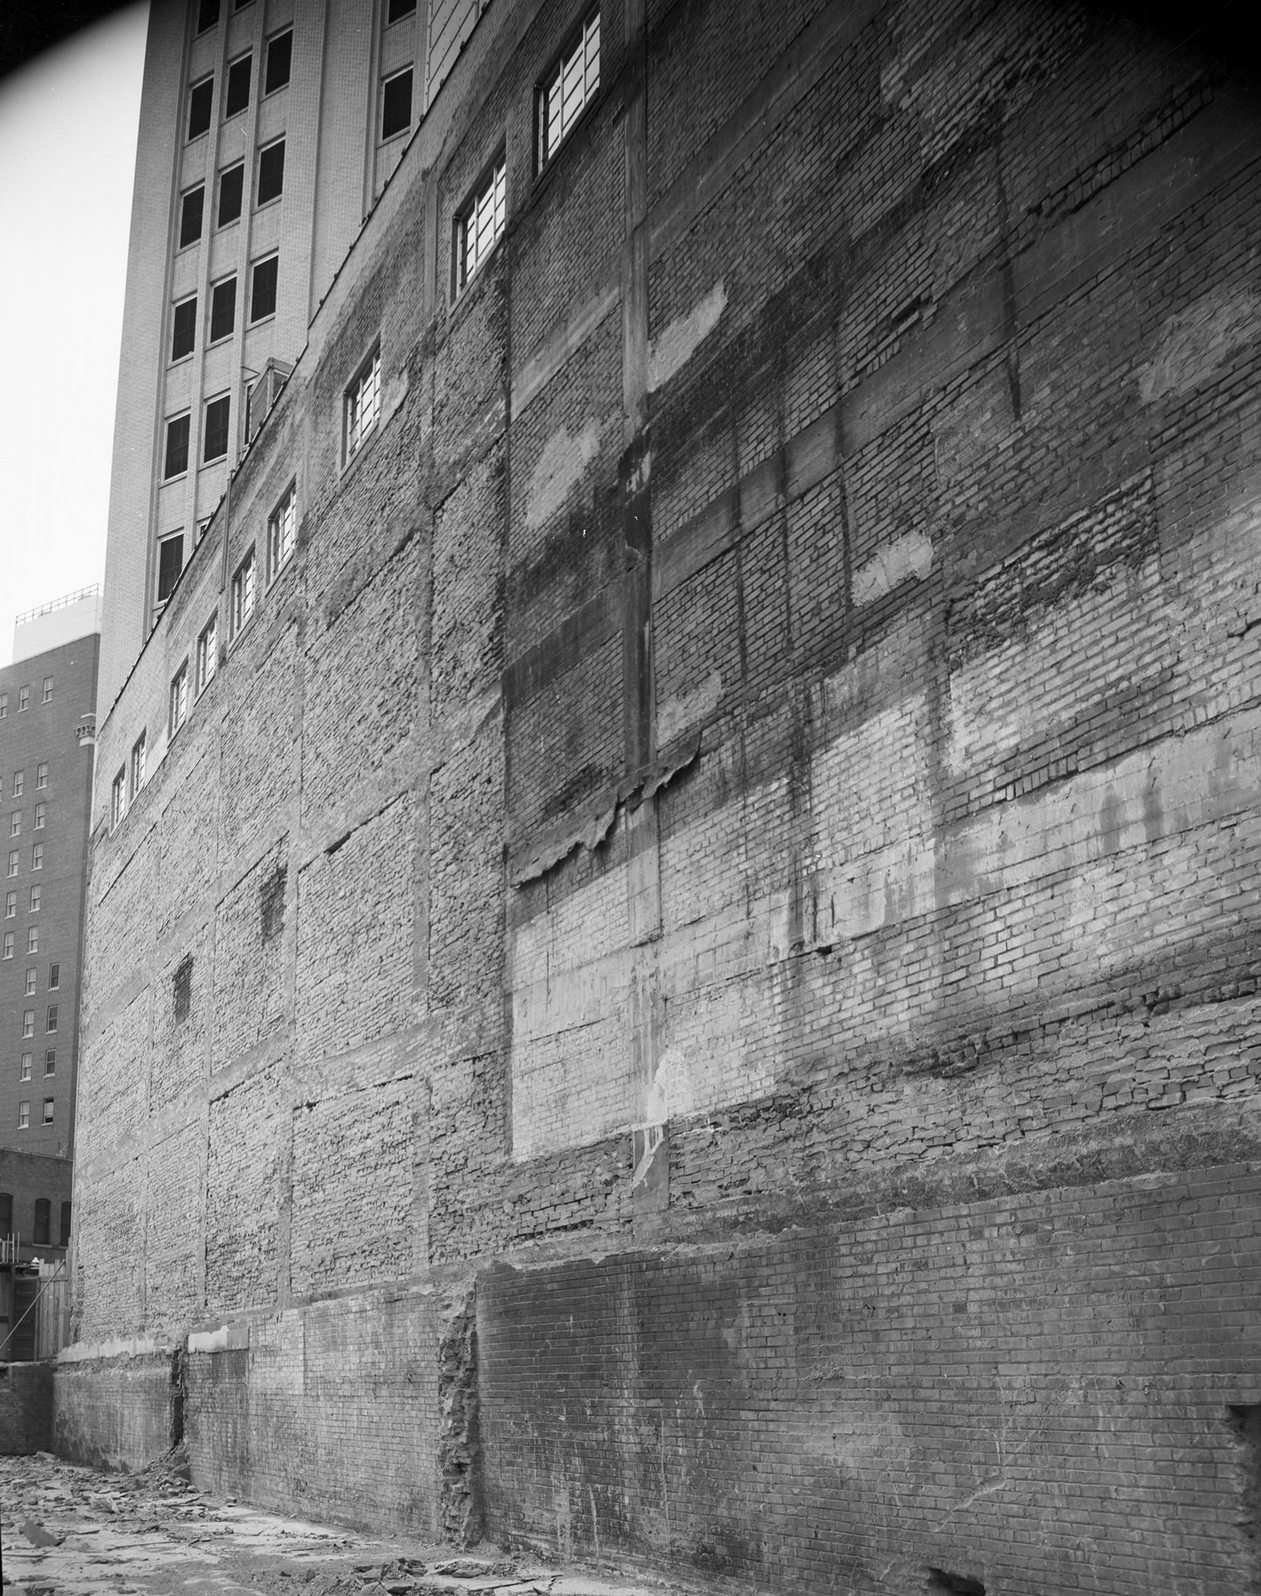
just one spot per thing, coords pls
(680, 987)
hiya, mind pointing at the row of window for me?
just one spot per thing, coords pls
(50, 1021)
(24, 698)
(11, 903)
(128, 782)
(24, 1123)
(27, 1062)
(32, 977)
(269, 185)
(264, 275)
(32, 942)
(277, 61)
(19, 778)
(15, 819)
(43, 1212)
(37, 858)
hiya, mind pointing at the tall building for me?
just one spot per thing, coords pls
(267, 130)
(47, 719)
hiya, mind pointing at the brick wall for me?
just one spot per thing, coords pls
(741, 815)
(26, 1408)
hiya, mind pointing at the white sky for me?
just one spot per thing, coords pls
(67, 161)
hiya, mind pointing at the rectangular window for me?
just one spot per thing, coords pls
(179, 698)
(231, 193)
(207, 655)
(281, 532)
(6, 951)
(10, 905)
(65, 1224)
(170, 564)
(263, 288)
(237, 96)
(190, 215)
(41, 774)
(199, 98)
(568, 89)
(479, 226)
(28, 1022)
(279, 60)
(37, 856)
(271, 172)
(24, 1115)
(137, 768)
(30, 984)
(207, 15)
(19, 781)
(41, 810)
(184, 328)
(222, 309)
(50, 1021)
(15, 823)
(175, 461)
(48, 689)
(50, 1061)
(35, 899)
(362, 404)
(215, 435)
(54, 976)
(24, 699)
(396, 104)
(118, 798)
(243, 593)
(397, 9)
(32, 939)
(49, 1109)
(4, 705)
(24, 1071)
(14, 858)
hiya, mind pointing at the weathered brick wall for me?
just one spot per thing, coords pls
(115, 1411)
(745, 795)
(26, 1408)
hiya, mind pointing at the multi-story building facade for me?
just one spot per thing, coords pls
(681, 984)
(267, 130)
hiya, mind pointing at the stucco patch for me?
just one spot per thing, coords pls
(680, 340)
(1196, 341)
(561, 466)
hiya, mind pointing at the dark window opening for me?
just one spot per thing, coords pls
(50, 1061)
(199, 100)
(207, 15)
(263, 288)
(170, 564)
(65, 1224)
(397, 9)
(940, 1583)
(43, 1222)
(184, 328)
(231, 192)
(222, 309)
(54, 975)
(396, 104)
(182, 987)
(238, 92)
(271, 904)
(215, 441)
(190, 215)
(6, 1213)
(176, 460)
(271, 172)
(279, 61)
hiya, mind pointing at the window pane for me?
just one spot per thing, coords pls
(184, 328)
(263, 288)
(271, 172)
(222, 309)
(399, 8)
(215, 438)
(231, 190)
(207, 15)
(199, 98)
(170, 564)
(238, 92)
(190, 215)
(396, 104)
(176, 460)
(279, 58)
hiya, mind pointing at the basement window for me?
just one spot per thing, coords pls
(182, 987)
(396, 104)
(568, 88)
(362, 405)
(479, 226)
(199, 99)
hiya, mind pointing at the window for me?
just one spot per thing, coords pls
(231, 193)
(37, 856)
(271, 172)
(263, 288)
(568, 88)
(222, 309)
(19, 781)
(279, 59)
(43, 1208)
(207, 15)
(24, 699)
(237, 96)
(28, 1022)
(137, 772)
(50, 1061)
(65, 1224)
(24, 1115)
(36, 896)
(7, 950)
(41, 810)
(10, 905)
(199, 98)
(179, 698)
(281, 532)
(170, 564)
(396, 104)
(49, 1111)
(215, 435)
(397, 9)
(14, 858)
(54, 976)
(479, 226)
(41, 774)
(50, 1021)
(24, 1073)
(48, 689)
(32, 939)
(207, 655)
(243, 593)
(4, 705)
(182, 987)
(175, 462)
(15, 823)
(190, 215)
(6, 1213)
(363, 401)
(117, 798)
(29, 990)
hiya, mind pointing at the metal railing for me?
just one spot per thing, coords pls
(59, 603)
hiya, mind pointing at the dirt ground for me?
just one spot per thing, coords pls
(70, 1531)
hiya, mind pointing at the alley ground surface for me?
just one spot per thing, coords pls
(70, 1531)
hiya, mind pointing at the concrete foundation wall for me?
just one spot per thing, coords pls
(116, 1411)
(26, 1408)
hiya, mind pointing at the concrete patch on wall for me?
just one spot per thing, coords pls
(681, 711)
(680, 340)
(1195, 342)
(911, 555)
(561, 467)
